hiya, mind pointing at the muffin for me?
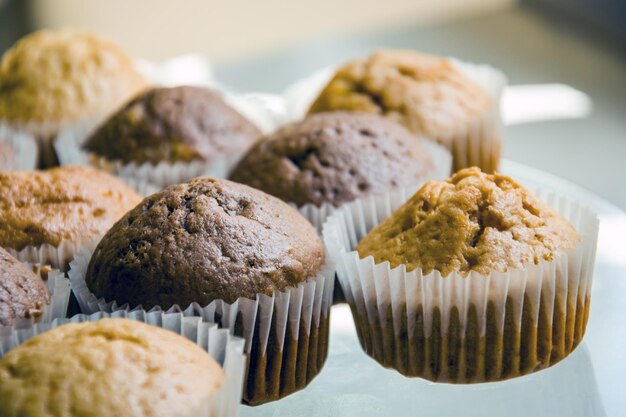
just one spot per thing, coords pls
(489, 281)
(334, 158)
(22, 293)
(179, 124)
(233, 252)
(430, 95)
(48, 214)
(105, 368)
(52, 79)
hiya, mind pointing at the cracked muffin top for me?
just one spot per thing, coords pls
(55, 77)
(334, 158)
(66, 203)
(200, 241)
(425, 93)
(109, 367)
(471, 222)
(23, 293)
(173, 124)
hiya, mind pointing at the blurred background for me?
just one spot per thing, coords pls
(565, 59)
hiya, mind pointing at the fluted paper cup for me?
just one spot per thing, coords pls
(457, 328)
(227, 350)
(18, 150)
(286, 334)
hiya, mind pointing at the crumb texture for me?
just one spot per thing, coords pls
(23, 293)
(66, 203)
(110, 367)
(470, 222)
(425, 93)
(174, 124)
(203, 240)
(63, 76)
(334, 158)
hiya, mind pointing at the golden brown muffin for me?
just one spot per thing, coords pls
(427, 94)
(66, 203)
(179, 124)
(470, 222)
(50, 78)
(23, 293)
(110, 367)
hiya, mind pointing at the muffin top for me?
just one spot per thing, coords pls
(203, 240)
(22, 293)
(334, 158)
(109, 367)
(173, 124)
(470, 222)
(65, 203)
(425, 93)
(62, 76)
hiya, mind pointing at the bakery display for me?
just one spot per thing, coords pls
(108, 367)
(429, 95)
(490, 282)
(48, 214)
(179, 124)
(219, 245)
(333, 158)
(54, 78)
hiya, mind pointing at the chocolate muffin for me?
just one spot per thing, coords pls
(427, 94)
(334, 158)
(201, 241)
(67, 204)
(210, 240)
(22, 293)
(109, 367)
(180, 124)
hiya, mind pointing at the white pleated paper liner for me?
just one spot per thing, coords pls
(226, 349)
(58, 257)
(458, 328)
(59, 289)
(18, 150)
(478, 144)
(286, 334)
(442, 165)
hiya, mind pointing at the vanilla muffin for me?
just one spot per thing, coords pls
(109, 367)
(471, 222)
(70, 204)
(427, 94)
(210, 240)
(489, 282)
(179, 124)
(23, 294)
(334, 158)
(50, 79)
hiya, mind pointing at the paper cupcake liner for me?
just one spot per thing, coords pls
(227, 350)
(58, 288)
(478, 144)
(58, 257)
(442, 163)
(464, 329)
(18, 150)
(286, 334)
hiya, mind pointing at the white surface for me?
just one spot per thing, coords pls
(590, 382)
